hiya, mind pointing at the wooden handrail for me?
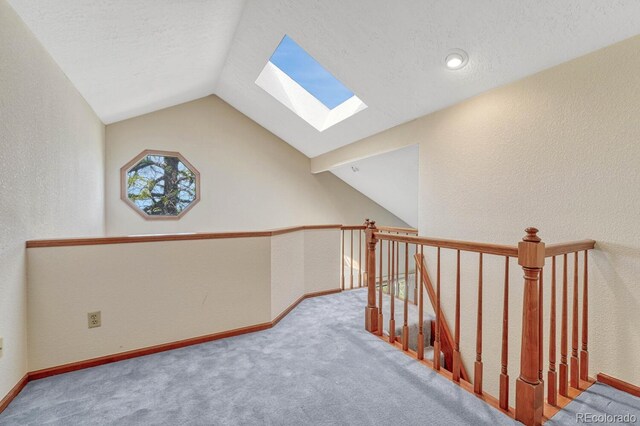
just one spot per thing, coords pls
(486, 248)
(66, 242)
(570, 247)
(352, 227)
(446, 337)
(397, 229)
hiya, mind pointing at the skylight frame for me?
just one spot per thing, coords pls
(301, 101)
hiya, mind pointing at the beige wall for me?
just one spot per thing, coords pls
(287, 270)
(148, 293)
(154, 293)
(321, 260)
(303, 263)
(250, 178)
(51, 174)
(559, 150)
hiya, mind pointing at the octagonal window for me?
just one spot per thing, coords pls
(160, 184)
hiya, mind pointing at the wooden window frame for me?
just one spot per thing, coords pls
(123, 183)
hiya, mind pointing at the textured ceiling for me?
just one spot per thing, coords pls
(391, 54)
(129, 57)
(389, 179)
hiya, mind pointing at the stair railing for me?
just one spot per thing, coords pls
(443, 341)
(352, 238)
(353, 272)
(531, 253)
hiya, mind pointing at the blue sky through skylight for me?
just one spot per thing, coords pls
(294, 61)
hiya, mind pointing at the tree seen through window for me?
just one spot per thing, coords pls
(161, 185)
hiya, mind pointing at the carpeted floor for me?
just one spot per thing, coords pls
(598, 401)
(318, 366)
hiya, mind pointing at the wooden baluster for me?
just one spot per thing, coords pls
(415, 284)
(529, 390)
(540, 326)
(563, 385)
(436, 342)
(584, 354)
(392, 296)
(342, 263)
(504, 375)
(456, 345)
(389, 266)
(371, 312)
(351, 263)
(405, 325)
(359, 258)
(477, 382)
(380, 296)
(420, 308)
(397, 288)
(366, 258)
(552, 375)
(575, 368)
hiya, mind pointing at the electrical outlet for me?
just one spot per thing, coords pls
(94, 319)
(1, 345)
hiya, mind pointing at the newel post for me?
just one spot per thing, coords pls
(371, 311)
(529, 389)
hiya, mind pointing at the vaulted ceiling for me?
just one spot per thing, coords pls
(389, 179)
(129, 57)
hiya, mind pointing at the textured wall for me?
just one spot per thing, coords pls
(558, 150)
(287, 270)
(321, 260)
(183, 289)
(302, 263)
(51, 174)
(250, 178)
(149, 293)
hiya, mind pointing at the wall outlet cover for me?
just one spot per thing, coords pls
(94, 319)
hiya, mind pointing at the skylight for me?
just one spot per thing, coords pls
(298, 81)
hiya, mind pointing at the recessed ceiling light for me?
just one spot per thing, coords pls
(456, 59)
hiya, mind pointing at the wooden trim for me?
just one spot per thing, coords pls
(4, 403)
(497, 249)
(123, 179)
(619, 384)
(94, 362)
(352, 227)
(551, 410)
(281, 231)
(447, 341)
(66, 242)
(141, 239)
(284, 313)
(397, 229)
(463, 383)
(570, 247)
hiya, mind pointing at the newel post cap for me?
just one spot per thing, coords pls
(369, 232)
(532, 235)
(531, 250)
